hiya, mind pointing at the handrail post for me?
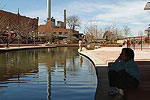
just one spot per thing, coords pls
(134, 42)
(141, 43)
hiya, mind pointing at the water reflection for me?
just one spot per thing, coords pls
(45, 73)
(14, 64)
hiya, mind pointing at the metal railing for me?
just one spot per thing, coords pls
(140, 42)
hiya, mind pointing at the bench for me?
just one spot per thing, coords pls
(143, 91)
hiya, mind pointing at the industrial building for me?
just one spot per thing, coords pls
(51, 28)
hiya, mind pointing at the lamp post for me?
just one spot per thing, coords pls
(148, 33)
(33, 34)
(7, 37)
(34, 39)
(148, 38)
(18, 40)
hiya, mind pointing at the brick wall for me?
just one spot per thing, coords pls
(17, 18)
(47, 28)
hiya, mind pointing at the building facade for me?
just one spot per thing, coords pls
(17, 27)
(11, 20)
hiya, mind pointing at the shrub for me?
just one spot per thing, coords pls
(90, 47)
(146, 40)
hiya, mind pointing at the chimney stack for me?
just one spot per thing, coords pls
(48, 9)
(65, 19)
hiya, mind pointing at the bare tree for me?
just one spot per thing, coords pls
(24, 29)
(3, 23)
(91, 31)
(111, 33)
(140, 33)
(49, 36)
(126, 30)
(73, 22)
(116, 32)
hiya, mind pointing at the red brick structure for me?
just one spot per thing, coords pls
(13, 19)
(57, 30)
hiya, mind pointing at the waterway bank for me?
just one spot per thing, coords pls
(101, 73)
(14, 47)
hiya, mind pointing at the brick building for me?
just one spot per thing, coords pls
(57, 30)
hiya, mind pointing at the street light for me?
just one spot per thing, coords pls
(18, 39)
(7, 37)
(148, 33)
(33, 34)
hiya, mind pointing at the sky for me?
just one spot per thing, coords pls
(103, 13)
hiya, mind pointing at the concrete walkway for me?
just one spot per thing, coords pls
(101, 57)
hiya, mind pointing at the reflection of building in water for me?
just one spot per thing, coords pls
(65, 75)
(49, 83)
(17, 64)
(81, 60)
(58, 59)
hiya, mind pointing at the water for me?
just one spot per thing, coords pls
(46, 74)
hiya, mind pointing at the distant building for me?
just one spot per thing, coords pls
(51, 29)
(57, 30)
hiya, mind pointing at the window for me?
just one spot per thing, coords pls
(66, 33)
(60, 33)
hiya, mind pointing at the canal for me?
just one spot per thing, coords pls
(46, 74)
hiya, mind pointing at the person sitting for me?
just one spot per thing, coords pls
(124, 73)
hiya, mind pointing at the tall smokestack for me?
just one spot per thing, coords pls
(65, 19)
(48, 9)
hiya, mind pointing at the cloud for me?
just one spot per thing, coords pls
(130, 13)
(122, 12)
(128, 10)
